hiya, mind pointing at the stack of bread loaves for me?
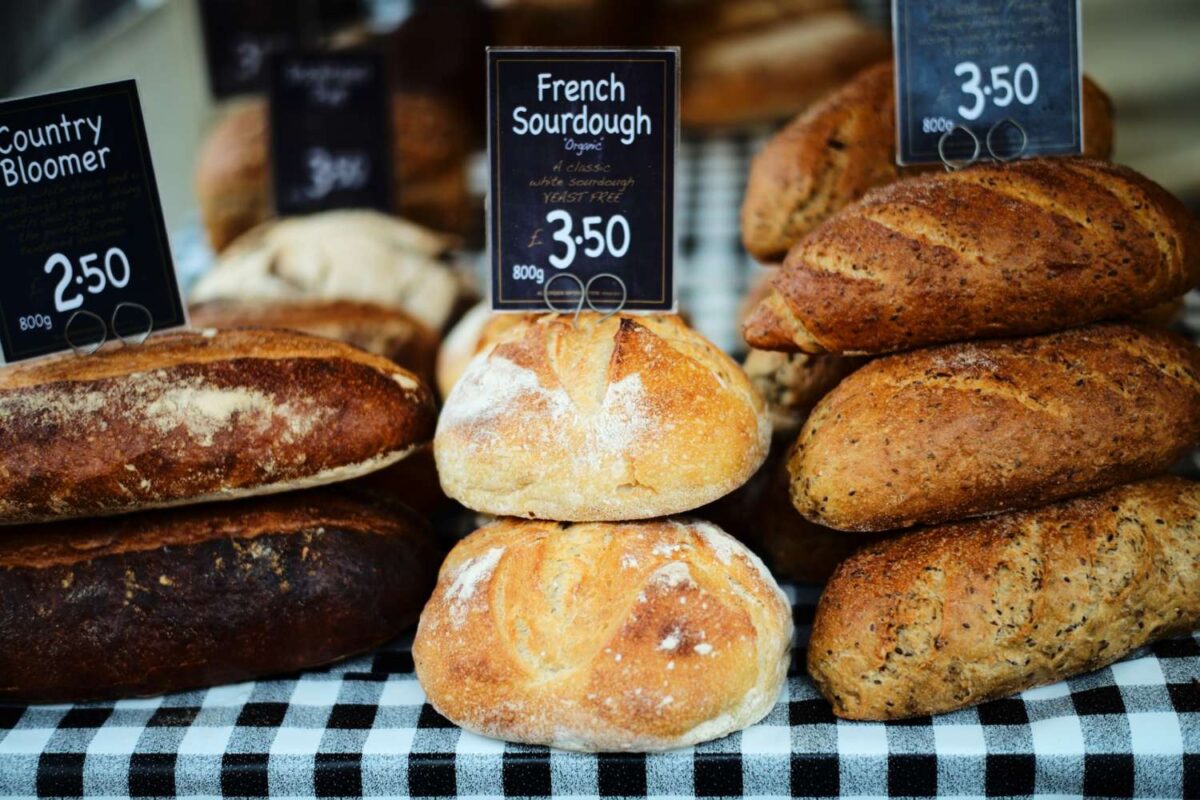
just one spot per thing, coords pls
(121, 574)
(615, 626)
(1007, 410)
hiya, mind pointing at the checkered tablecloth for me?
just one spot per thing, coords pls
(363, 728)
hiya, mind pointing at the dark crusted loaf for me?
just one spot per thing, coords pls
(189, 417)
(180, 598)
(963, 613)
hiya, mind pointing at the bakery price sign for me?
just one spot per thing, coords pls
(84, 247)
(330, 132)
(582, 148)
(980, 79)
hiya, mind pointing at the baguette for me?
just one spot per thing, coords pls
(175, 599)
(969, 429)
(188, 417)
(995, 250)
(631, 636)
(830, 155)
(968, 612)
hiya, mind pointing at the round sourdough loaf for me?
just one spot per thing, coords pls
(209, 415)
(603, 636)
(599, 419)
(173, 599)
(476, 330)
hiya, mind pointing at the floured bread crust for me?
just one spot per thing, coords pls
(603, 636)
(616, 419)
(199, 416)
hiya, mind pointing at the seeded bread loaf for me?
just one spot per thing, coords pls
(831, 154)
(188, 417)
(967, 612)
(968, 429)
(382, 330)
(792, 383)
(180, 598)
(603, 636)
(994, 250)
(597, 419)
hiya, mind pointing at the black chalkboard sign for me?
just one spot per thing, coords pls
(331, 145)
(81, 226)
(240, 36)
(582, 147)
(1011, 69)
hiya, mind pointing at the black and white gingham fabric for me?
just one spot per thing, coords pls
(362, 728)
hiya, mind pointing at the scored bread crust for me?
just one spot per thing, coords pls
(963, 613)
(994, 250)
(831, 154)
(600, 419)
(168, 600)
(603, 636)
(976, 428)
(193, 416)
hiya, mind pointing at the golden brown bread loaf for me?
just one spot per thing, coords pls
(179, 598)
(967, 429)
(357, 255)
(792, 383)
(599, 419)
(765, 72)
(967, 612)
(830, 155)
(602, 636)
(431, 139)
(382, 330)
(188, 417)
(995, 250)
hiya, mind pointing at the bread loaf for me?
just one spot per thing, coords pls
(174, 599)
(360, 256)
(767, 72)
(382, 330)
(831, 154)
(188, 417)
(995, 250)
(602, 636)
(599, 419)
(969, 429)
(431, 141)
(967, 612)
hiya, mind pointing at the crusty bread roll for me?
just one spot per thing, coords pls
(967, 429)
(174, 599)
(761, 515)
(476, 330)
(995, 250)
(603, 636)
(188, 417)
(612, 418)
(431, 140)
(358, 255)
(830, 155)
(792, 383)
(764, 73)
(382, 330)
(967, 612)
